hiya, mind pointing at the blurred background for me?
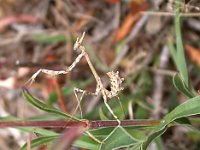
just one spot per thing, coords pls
(129, 36)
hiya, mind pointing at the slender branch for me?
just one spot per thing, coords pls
(123, 123)
(170, 14)
(75, 124)
(52, 124)
(86, 123)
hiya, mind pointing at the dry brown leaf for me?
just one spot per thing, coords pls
(194, 54)
(126, 26)
(130, 19)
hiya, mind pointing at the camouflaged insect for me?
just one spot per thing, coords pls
(115, 82)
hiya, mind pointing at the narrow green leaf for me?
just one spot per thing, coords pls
(44, 117)
(181, 62)
(39, 141)
(48, 39)
(42, 106)
(172, 51)
(137, 132)
(118, 138)
(182, 87)
(87, 143)
(159, 144)
(188, 108)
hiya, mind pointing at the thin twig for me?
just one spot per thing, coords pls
(75, 124)
(86, 123)
(169, 14)
(163, 72)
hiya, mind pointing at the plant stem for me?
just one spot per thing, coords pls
(86, 123)
(74, 124)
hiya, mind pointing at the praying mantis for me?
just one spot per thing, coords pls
(115, 79)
